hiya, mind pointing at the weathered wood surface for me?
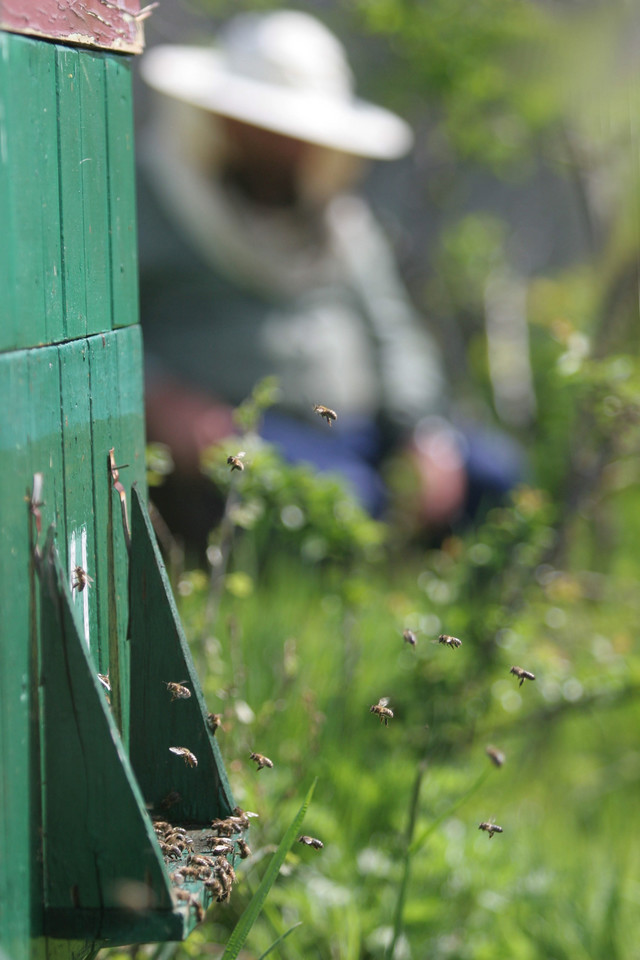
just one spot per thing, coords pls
(110, 24)
(67, 193)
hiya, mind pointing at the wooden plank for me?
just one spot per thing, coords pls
(122, 200)
(47, 164)
(130, 449)
(97, 836)
(15, 826)
(111, 24)
(103, 371)
(160, 654)
(44, 444)
(79, 548)
(117, 422)
(8, 287)
(95, 189)
(44, 432)
(71, 198)
(32, 283)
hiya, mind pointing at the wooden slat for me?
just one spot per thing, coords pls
(31, 286)
(8, 335)
(95, 189)
(122, 210)
(103, 366)
(118, 423)
(71, 199)
(15, 828)
(44, 432)
(159, 653)
(79, 547)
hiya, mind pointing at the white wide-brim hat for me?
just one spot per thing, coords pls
(284, 72)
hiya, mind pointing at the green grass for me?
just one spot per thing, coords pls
(311, 649)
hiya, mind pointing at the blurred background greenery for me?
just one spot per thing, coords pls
(521, 198)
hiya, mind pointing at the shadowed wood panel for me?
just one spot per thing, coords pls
(160, 654)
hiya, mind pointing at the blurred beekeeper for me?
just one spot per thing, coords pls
(257, 258)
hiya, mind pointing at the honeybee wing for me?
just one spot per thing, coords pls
(384, 701)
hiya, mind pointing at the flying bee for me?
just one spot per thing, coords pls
(311, 842)
(104, 680)
(261, 760)
(244, 850)
(496, 756)
(522, 674)
(189, 758)
(325, 412)
(213, 721)
(409, 637)
(235, 462)
(451, 642)
(382, 710)
(177, 690)
(490, 828)
(170, 800)
(81, 579)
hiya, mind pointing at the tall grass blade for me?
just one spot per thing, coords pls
(402, 891)
(279, 940)
(242, 928)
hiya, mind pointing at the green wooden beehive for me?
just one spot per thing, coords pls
(86, 720)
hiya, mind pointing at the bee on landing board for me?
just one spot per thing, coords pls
(261, 760)
(81, 579)
(311, 842)
(382, 710)
(451, 642)
(325, 412)
(189, 758)
(235, 462)
(177, 690)
(191, 901)
(490, 828)
(522, 674)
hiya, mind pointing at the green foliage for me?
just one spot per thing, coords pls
(159, 463)
(292, 507)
